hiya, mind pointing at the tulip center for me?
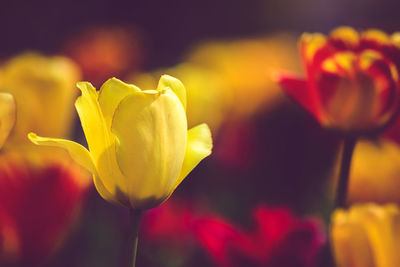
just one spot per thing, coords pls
(356, 89)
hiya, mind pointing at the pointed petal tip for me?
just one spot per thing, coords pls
(80, 84)
(112, 79)
(85, 86)
(166, 76)
(202, 138)
(167, 81)
(206, 131)
(77, 152)
(32, 137)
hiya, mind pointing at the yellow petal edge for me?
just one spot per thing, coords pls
(8, 112)
(81, 155)
(199, 146)
(78, 152)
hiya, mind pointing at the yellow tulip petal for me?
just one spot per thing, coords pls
(366, 236)
(100, 140)
(82, 156)
(350, 244)
(7, 116)
(104, 193)
(92, 120)
(381, 224)
(175, 85)
(199, 145)
(151, 129)
(372, 160)
(110, 95)
(79, 153)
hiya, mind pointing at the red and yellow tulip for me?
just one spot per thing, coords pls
(352, 79)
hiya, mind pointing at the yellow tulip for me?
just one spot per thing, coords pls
(366, 236)
(7, 116)
(43, 88)
(140, 148)
(375, 172)
(248, 68)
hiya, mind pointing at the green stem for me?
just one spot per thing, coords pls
(341, 191)
(135, 216)
(326, 257)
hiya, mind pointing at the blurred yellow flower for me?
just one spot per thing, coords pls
(247, 68)
(44, 90)
(140, 148)
(375, 172)
(233, 79)
(36, 186)
(7, 116)
(366, 236)
(205, 89)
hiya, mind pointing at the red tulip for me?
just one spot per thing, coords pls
(38, 204)
(279, 239)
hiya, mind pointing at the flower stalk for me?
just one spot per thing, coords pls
(135, 216)
(342, 187)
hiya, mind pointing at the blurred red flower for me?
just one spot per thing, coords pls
(235, 145)
(352, 79)
(171, 221)
(279, 239)
(103, 52)
(38, 204)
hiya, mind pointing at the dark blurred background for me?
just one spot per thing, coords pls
(170, 27)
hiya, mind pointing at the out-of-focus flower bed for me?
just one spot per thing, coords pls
(263, 198)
